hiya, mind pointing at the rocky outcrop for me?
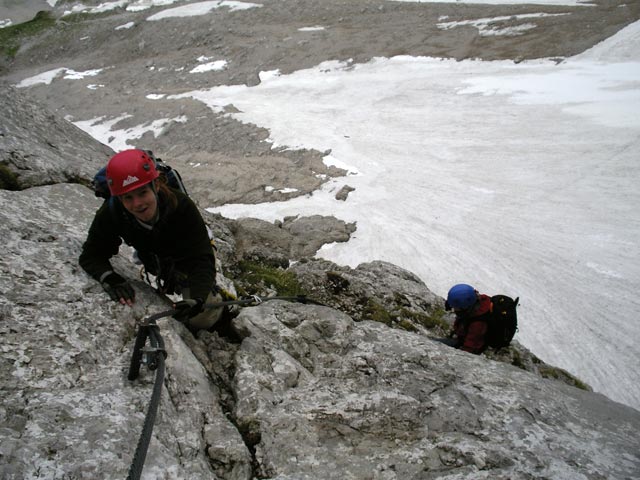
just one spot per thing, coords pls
(67, 408)
(376, 291)
(292, 239)
(321, 396)
(388, 294)
(344, 192)
(37, 147)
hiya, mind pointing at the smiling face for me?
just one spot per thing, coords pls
(142, 203)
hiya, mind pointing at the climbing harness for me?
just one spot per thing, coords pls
(154, 356)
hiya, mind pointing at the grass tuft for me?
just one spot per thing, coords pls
(257, 276)
(556, 373)
(376, 312)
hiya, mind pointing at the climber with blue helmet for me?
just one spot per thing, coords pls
(473, 311)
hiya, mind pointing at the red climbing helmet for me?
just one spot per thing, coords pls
(130, 169)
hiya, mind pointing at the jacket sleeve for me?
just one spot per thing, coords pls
(474, 338)
(201, 276)
(199, 262)
(101, 244)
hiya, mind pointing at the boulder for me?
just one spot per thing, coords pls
(38, 147)
(292, 239)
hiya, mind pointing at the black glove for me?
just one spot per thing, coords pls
(118, 289)
(185, 309)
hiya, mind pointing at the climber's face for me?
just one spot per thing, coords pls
(142, 203)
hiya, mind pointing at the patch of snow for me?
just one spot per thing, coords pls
(486, 26)
(331, 161)
(118, 139)
(201, 8)
(140, 5)
(101, 8)
(216, 66)
(73, 75)
(271, 189)
(48, 76)
(45, 78)
(126, 26)
(268, 75)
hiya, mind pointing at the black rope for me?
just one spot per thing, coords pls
(154, 358)
(136, 357)
(255, 300)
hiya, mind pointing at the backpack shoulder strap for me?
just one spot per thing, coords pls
(112, 209)
(116, 210)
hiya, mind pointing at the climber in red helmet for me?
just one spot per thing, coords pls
(165, 228)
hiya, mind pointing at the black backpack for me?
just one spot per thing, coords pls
(503, 321)
(173, 178)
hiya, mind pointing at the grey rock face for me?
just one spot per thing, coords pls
(305, 392)
(67, 409)
(292, 239)
(268, 175)
(325, 397)
(344, 192)
(374, 291)
(37, 147)
(388, 294)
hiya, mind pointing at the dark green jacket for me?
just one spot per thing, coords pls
(177, 250)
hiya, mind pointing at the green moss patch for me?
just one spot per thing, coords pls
(11, 37)
(405, 318)
(8, 179)
(517, 361)
(254, 277)
(435, 321)
(376, 312)
(560, 374)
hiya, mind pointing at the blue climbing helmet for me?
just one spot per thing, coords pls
(462, 296)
